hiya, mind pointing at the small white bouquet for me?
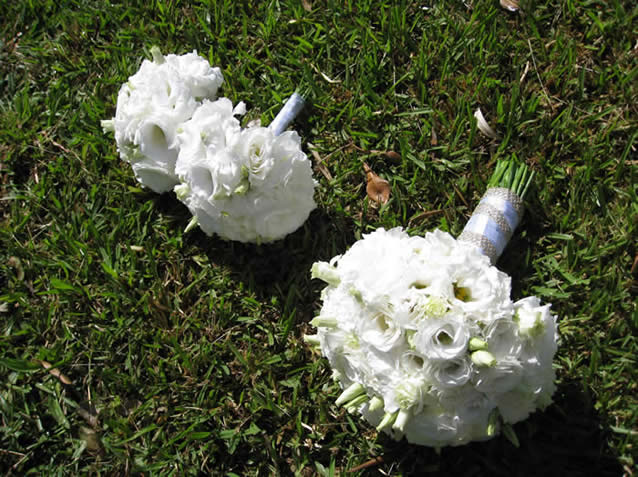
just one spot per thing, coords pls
(152, 105)
(248, 185)
(422, 335)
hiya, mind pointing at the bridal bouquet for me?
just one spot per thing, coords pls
(249, 185)
(423, 336)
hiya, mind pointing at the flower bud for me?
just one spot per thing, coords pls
(492, 423)
(182, 191)
(108, 125)
(356, 294)
(158, 58)
(192, 224)
(402, 419)
(388, 420)
(326, 272)
(354, 404)
(312, 340)
(324, 322)
(376, 403)
(351, 392)
(477, 344)
(483, 359)
(510, 434)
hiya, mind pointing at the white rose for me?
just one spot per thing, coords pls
(534, 320)
(211, 129)
(481, 291)
(256, 147)
(375, 265)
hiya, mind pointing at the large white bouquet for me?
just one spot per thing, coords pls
(424, 339)
(152, 105)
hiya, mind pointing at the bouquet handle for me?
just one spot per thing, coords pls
(492, 223)
(288, 113)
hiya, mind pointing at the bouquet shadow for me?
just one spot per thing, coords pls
(567, 439)
(281, 268)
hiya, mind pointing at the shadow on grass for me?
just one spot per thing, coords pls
(567, 439)
(281, 268)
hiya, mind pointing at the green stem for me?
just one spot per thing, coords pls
(513, 175)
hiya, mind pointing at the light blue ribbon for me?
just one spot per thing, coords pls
(287, 114)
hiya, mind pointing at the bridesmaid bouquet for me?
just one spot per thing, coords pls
(250, 185)
(421, 332)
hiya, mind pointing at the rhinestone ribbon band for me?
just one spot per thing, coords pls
(493, 221)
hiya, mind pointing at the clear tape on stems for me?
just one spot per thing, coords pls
(493, 221)
(287, 114)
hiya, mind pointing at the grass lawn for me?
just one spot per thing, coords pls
(173, 353)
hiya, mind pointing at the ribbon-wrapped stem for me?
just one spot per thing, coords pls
(500, 210)
(288, 113)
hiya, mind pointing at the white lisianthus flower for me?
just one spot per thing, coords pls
(504, 376)
(152, 105)
(533, 318)
(199, 77)
(380, 331)
(502, 339)
(442, 339)
(449, 374)
(204, 161)
(425, 341)
(326, 272)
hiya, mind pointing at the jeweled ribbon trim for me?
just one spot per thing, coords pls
(287, 114)
(493, 221)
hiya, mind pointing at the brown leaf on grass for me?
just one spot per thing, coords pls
(434, 139)
(634, 267)
(395, 156)
(378, 189)
(307, 5)
(511, 5)
(392, 155)
(89, 416)
(55, 372)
